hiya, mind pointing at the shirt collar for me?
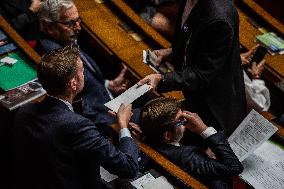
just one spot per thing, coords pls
(68, 104)
(174, 143)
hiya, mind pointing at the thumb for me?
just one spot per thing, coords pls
(122, 72)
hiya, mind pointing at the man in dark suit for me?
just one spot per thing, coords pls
(206, 58)
(163, 123)
(60, 24)
(53, 147)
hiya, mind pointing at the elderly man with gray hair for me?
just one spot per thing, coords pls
(60, 25)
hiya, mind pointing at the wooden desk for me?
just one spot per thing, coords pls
(102, 23)
(22, 44)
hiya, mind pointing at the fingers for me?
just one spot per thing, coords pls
(157, 52)
(261, 63)
(122, 107)
(112, 113)
(143, 81)
(124, 114)
(122, 72)
(135, 129)
(253, 49)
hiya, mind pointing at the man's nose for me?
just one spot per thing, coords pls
(77, 27)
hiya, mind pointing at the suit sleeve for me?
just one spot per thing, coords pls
(226, 164)
(215, 42)
(122, 161)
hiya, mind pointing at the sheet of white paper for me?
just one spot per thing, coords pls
(250, 134)
(107, 176)
(128, 96)
(264, 169)
(9, 60)
(158, 183)
(140, 182)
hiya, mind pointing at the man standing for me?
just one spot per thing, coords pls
(53, 147)
(60, 24)
(206, 58)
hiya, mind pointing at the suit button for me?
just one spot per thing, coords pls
(185, 28)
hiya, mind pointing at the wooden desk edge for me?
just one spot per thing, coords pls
(269, 18)
(269, 117)
(141, 23)
(30, 52)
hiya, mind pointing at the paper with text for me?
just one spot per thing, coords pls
(264, 169)
(140, 182)
(158, 183)
(128, 96)
(250, 134)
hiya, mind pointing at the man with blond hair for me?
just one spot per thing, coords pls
(53, 147)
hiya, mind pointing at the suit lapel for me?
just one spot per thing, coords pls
(184, 33)
(90, 64)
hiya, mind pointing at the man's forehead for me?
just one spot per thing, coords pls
(69, 14)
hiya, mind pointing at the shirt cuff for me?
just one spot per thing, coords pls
(208, 132)
(124, 133)
(108, 91)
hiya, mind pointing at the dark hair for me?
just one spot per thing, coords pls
(157, 117)
(57, 68)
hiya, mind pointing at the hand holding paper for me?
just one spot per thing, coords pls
(128, 96)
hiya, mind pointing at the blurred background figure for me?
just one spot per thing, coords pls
(22, 15)
(257, 94)
(160, 14)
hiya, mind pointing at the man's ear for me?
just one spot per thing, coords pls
(73, 84)
(168, 135)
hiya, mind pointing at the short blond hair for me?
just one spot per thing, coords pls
(158, 116)
(57, 68)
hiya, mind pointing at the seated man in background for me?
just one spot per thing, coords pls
(53, 147)
(163, 124)
(257, 94)
(160, 14)
(60, 24)
(21, 14)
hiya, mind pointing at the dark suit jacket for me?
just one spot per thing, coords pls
(54, 147)
(194, 161)
(207, 64)
(94, 94)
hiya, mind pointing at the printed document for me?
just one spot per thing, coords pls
(159, 183)
(140, 182)
(263, 160)
(250, 134)
(264, 169)
(128, 96)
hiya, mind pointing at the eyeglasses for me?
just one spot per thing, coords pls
(71, 23)
(181, 123)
